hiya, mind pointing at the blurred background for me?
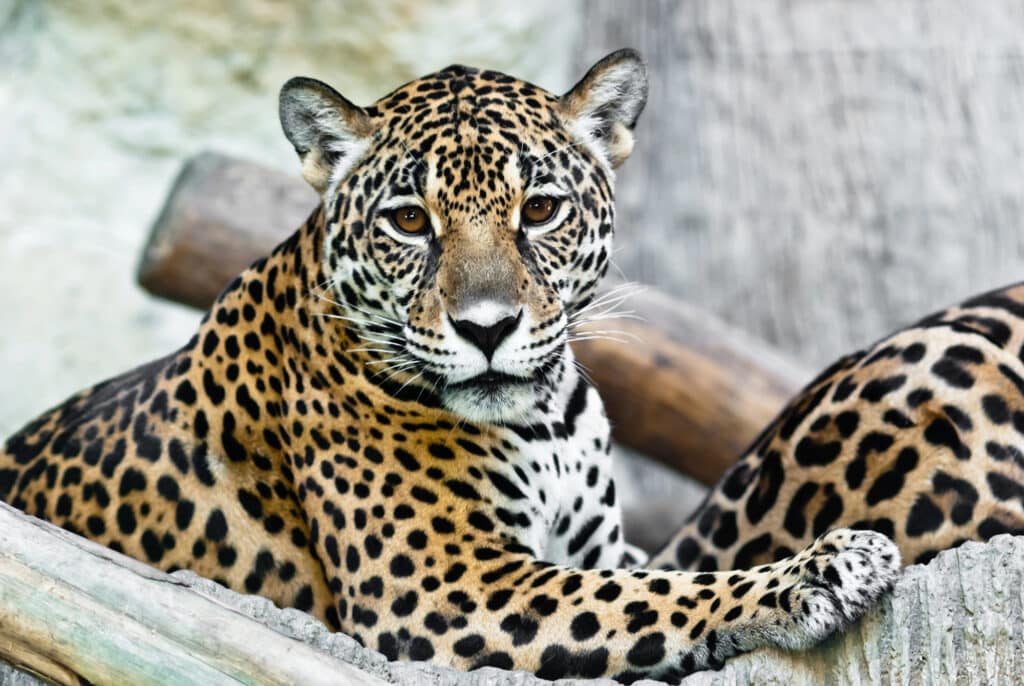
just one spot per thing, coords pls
(816, 172)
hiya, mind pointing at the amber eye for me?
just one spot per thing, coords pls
(410, 219)
(539, 209)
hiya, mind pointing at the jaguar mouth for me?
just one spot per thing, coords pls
(490, 380)
(493, 397)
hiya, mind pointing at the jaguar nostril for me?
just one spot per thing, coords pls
(488, 337)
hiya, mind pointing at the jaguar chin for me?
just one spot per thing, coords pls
(493, 397)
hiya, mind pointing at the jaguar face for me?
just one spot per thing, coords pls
(470, 217)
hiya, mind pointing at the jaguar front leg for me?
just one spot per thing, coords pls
(510, 610)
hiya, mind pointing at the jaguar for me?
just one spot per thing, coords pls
(382, 422)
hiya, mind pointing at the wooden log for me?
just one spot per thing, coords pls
(70, 609)
(221, 215)
(691, 391)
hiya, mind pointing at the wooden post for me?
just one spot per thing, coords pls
(691, 391)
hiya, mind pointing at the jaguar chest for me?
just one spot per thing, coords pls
(563, 475)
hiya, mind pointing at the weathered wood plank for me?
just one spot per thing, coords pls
(690, 391)
(71, 607)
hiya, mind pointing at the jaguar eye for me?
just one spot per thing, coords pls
(539, 209)
(410, 219)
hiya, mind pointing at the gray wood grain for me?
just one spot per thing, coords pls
(820, 173)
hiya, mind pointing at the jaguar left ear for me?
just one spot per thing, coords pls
(328, 132)
(603, 107)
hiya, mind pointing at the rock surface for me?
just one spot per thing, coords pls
(959, 619)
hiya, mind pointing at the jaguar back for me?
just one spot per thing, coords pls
(919, 437)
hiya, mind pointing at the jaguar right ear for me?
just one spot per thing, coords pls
(329, 133)
(603, 107)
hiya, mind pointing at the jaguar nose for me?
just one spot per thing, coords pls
(487, 337)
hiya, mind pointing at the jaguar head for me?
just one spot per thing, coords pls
(469, 218)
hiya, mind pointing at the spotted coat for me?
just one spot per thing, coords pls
(381, 422)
